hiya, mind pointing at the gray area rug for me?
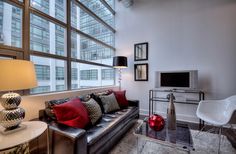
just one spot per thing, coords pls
(205, 143)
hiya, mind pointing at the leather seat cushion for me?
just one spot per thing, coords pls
(109, 124)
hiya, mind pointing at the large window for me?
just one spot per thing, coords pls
(56, 9)
(10, 25)
(88, 50)
(108, 74)
(100, 10)
(66, 55)
(42, 72)
(46, 36)
(88, 24)
(60, 73)
(51, 72)
(40, 89)
(89, 74)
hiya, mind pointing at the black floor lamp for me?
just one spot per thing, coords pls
(120, 62)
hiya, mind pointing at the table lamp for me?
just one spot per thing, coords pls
(120, 62)
(14, 75)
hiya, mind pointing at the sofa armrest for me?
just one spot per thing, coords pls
(65, 139)
(133, 103)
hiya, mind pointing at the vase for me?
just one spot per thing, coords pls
(171, 116)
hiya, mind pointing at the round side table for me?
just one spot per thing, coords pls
(33, 130)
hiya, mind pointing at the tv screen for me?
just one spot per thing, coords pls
(180, 79)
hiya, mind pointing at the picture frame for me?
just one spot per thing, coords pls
(141, 51)
(141, 72)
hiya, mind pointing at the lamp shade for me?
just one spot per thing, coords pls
(120, 62)
(17, 75)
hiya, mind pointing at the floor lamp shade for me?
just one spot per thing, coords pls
(14, 75)
(120, 62)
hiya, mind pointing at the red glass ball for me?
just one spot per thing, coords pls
(156, 122)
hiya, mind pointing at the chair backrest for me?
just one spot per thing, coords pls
(230, 103)
(232, 99)
(219, 111)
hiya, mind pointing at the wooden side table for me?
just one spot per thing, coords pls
(33, 130)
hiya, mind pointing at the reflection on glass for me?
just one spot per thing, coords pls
(86, 49)
(87, 24)
(108, 76)
(10, 25)
(100, 10)
(46, 36)
(51, 74)
(87, 76)
(56, 9)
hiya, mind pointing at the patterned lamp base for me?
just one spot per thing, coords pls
(12, 115)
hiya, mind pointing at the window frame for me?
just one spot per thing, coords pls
(25, 52)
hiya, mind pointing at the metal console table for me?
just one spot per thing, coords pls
(154, 98)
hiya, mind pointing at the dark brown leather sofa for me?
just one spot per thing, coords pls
(98, 139)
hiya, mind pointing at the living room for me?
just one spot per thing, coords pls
(180, 35)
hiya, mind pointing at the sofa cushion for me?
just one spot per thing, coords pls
(93, 109)
(109, 123)
(109, 103)
(72, 113)
(121, 98)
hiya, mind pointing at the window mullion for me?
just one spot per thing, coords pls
(26, 34)
(108, 6)
(15, 2)
(68, 44)
(47, 17)
(92, 38)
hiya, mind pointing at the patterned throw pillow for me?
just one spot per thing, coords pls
(109, 103)
(94, 110)
(96, 97)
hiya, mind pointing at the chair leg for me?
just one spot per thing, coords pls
(213, 129)
(200, 131)
(220, 131)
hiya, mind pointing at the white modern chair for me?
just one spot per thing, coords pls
(217, 112)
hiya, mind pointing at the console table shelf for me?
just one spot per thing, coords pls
(160, 99)
(153, 98)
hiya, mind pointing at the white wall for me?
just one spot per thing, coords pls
(182, 35)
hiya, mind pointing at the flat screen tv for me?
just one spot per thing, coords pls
(177, 79)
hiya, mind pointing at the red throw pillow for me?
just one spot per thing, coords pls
(72, 113)
(121, 98)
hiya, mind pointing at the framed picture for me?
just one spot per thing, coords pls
(141, 72)
(141, 51)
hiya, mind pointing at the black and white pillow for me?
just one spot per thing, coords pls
(93, 109)
(109, 103)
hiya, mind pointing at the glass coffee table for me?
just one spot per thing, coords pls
(179, 139)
